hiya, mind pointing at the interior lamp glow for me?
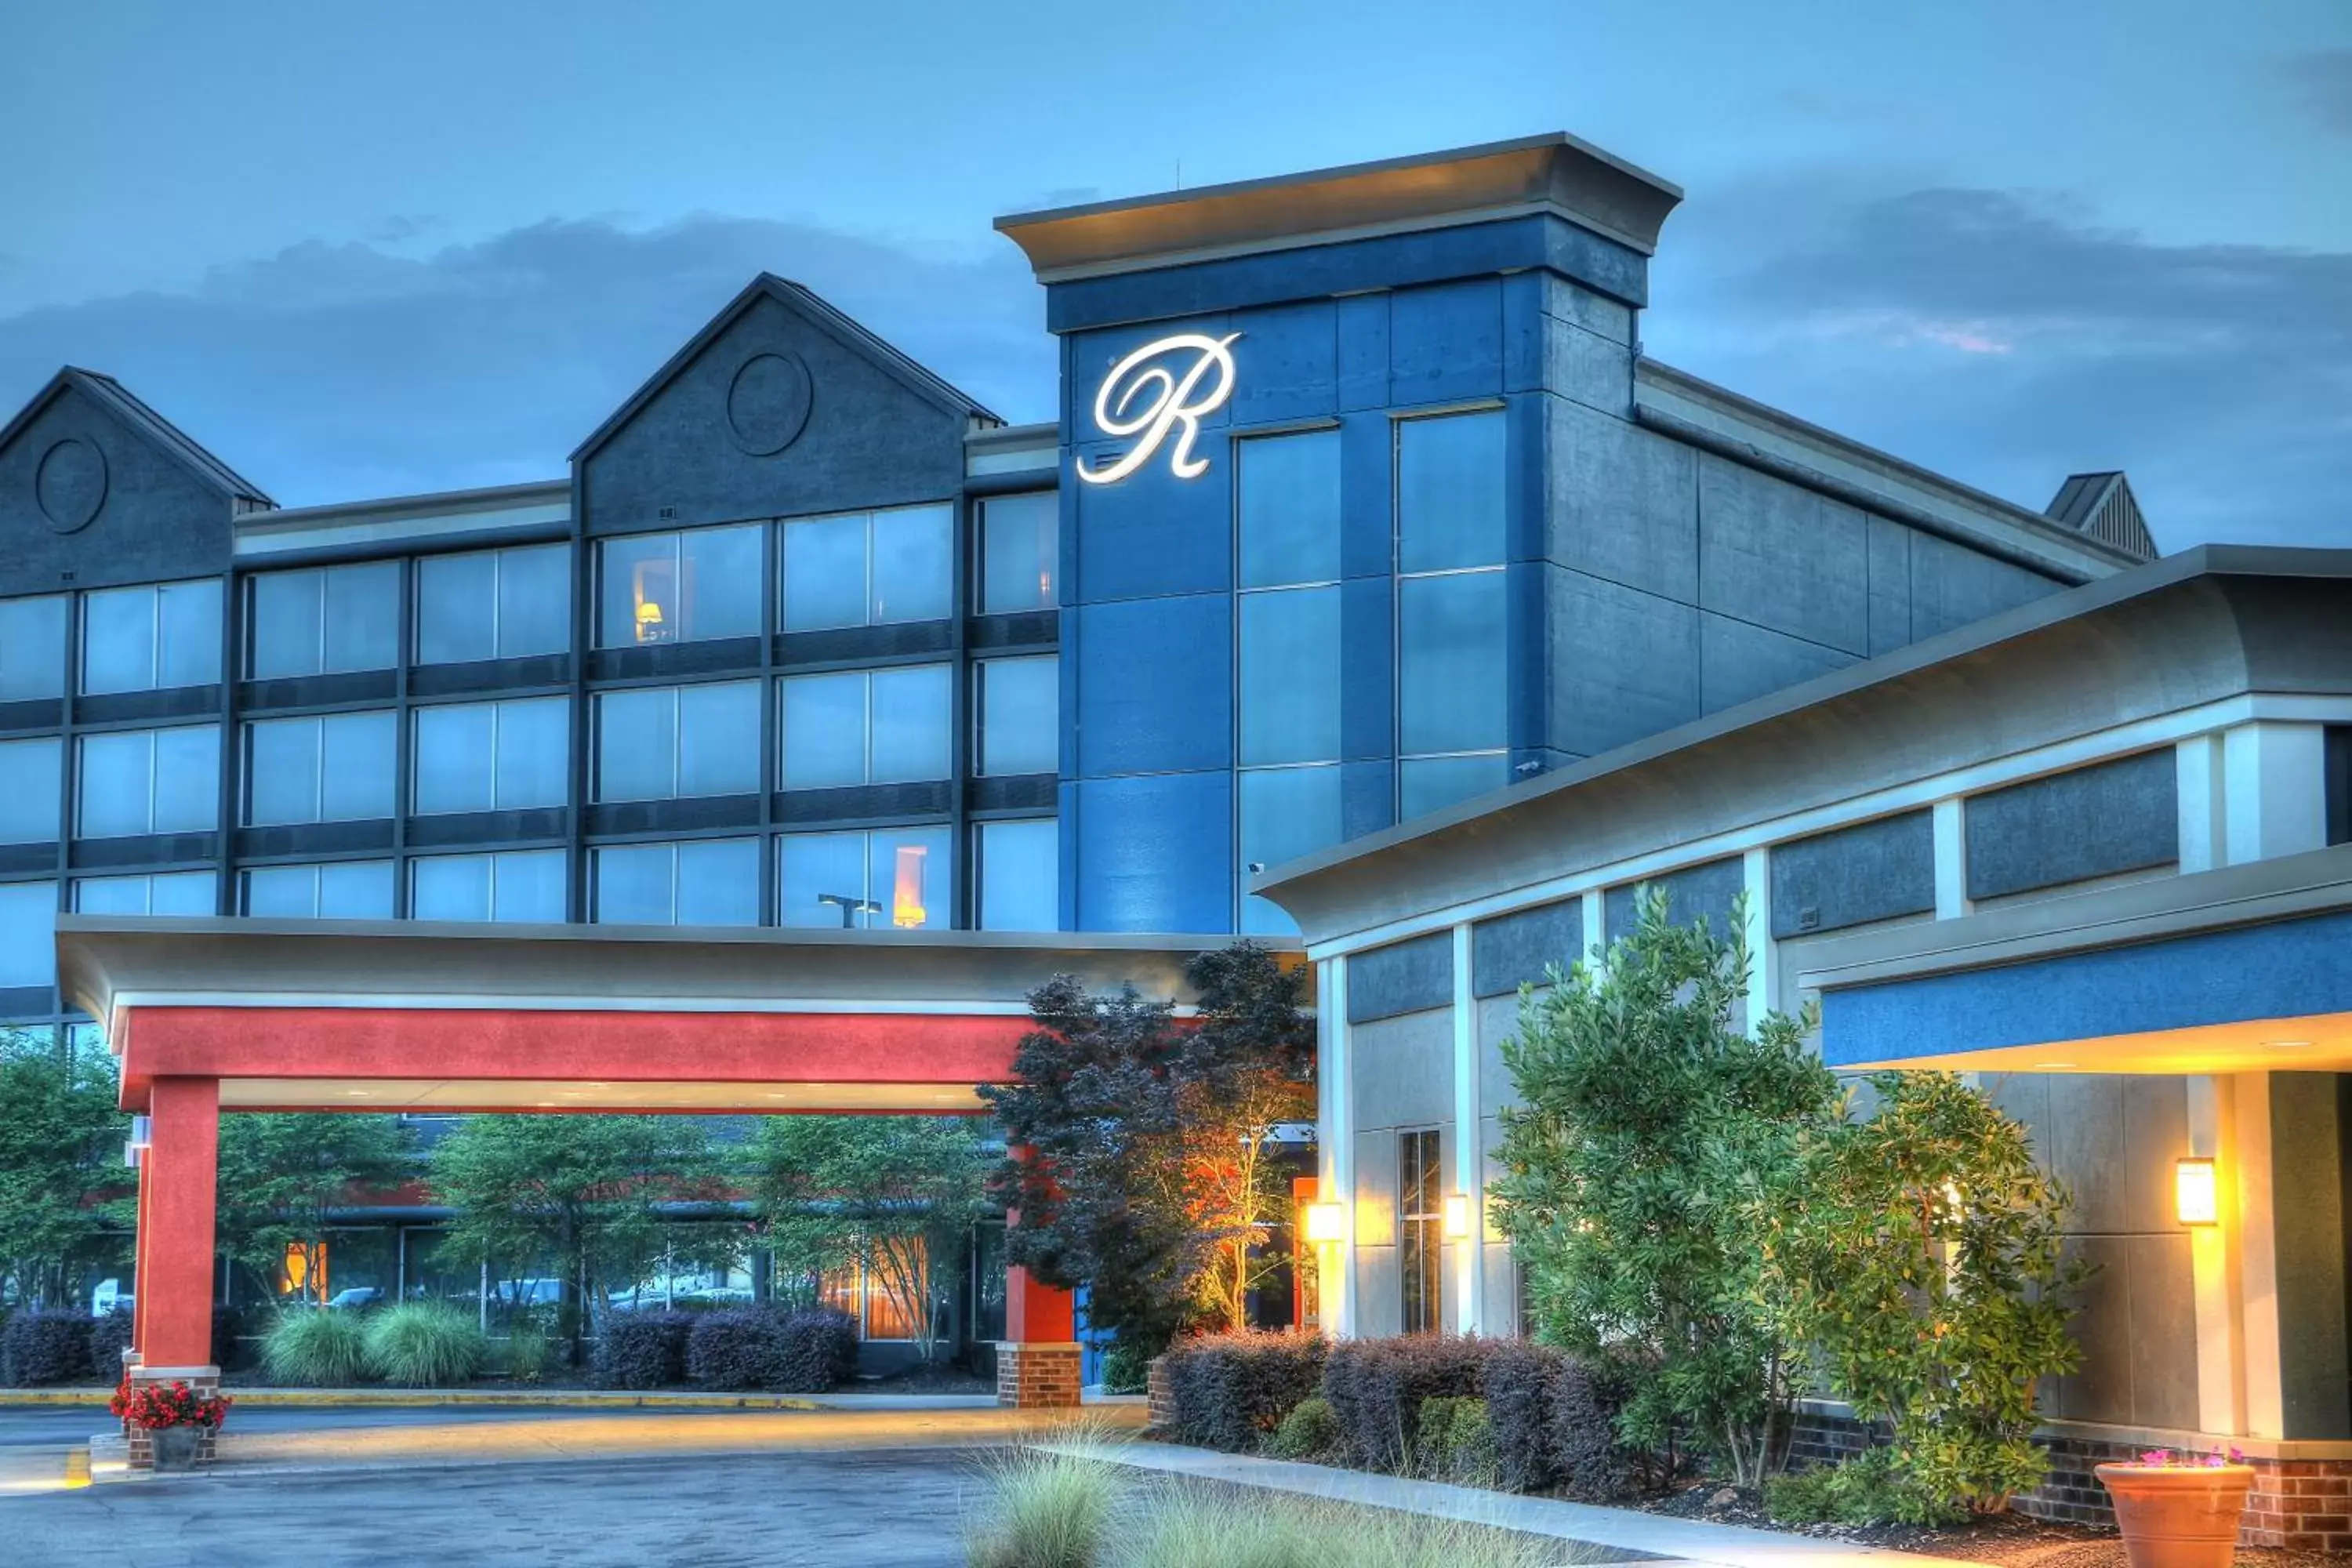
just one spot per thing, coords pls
(1458, 1215)
(649, 620)
(2196, 1193)
(907, 910)
(1324, 1223)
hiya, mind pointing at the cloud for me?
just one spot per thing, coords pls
(2322, 81)
(2008, 340)
(336, 372)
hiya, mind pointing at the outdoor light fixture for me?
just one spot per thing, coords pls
(1324, 1223)
(141, 1138)
(2196, 1193)
(1458, 1215)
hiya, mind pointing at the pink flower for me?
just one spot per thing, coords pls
(2158, 1457)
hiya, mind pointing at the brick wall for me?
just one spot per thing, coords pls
(1160, 1396)
(142, 1442)
(1037, 1377)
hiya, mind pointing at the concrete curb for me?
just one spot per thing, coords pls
(428, 1399)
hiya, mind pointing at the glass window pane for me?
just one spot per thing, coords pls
(911, 736)
(1018, 716)
(719, 882)
(633, 884)
(284, 892)
(356, 767)
(32, 647)
(1451, 693)
(1290, 675)
(183, 893)
(355, 890)
(456, 609)
(30, 784)
(824, 724)
(637, 601)
(286, 624)
(450, 888)
(1431, 783)
(528, 885)
(453, 762)
(1450, 492)
(282, 772)
(1020, 549)
(636, 744)
(118, 640)
(113, 787)
(190, 617)
(363, 620)
(29, 927)
(187, 778)
(719, 738)
(722, 578)
(1020, 875)
(1290, 509)
(910, 876)
(534, 601)
(821, 879)
(534, 752)
(1285, 813)
(110, 896)
(913, 570)
(824, 573)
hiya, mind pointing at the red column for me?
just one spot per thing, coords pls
(1037, 1313)
(173, 1310)
(1037, 1363)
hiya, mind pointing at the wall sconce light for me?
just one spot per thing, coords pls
(1324, 1223)
(2196, 1193)
(1457, 1216)
(141, 1138)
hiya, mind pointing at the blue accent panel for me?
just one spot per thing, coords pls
(1287, 361)
(1366, 797)
(1446, 342)
(1524, 517)
(1367, 667)
(1073, 660)
(1350, 267)
(1366, 513)
(1523, 331)
(2282, 969)
(1155, 691)
(1403, 977)
(1156, 854)
(1529, 706)
(1151, 533)
(1065, 819)
(1363, 351)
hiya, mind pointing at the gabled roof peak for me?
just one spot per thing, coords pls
(119, 400)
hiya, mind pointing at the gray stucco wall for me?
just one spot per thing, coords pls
(1696, 892)
(1404, 977)
(1876, 871)
(1400, 1075)
(1516, 949)
(2099, 821)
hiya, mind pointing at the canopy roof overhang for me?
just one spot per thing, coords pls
(2246, 969)
(406, 1015)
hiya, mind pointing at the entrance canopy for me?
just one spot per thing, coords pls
(2246, 969)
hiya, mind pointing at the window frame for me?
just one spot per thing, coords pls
(677, 538)
(496, 707)
(317, 722)
(866, 675)
(148, 733)
(153, 593)
(498, 557)
(1400, 575)
(868, 517)
(1421, 1231)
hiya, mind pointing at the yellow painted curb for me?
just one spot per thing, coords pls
(428, 1399)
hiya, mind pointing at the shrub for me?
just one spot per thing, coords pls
(1453, 1442)
(643, 1350)
(1309, 1432)
(818, 1350)
(109, 1336)
(42, 1346)
(1127, 1368)
(528, 1353)
(228, 1338)
(1869, 1489)
(1231, 1390)
(313, 1346)
(1593, 1460)
(1376, 1387)
(740, 1348)
(1044, 1508)
(425, 1344)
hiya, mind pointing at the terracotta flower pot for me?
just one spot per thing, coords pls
(2178, 1516)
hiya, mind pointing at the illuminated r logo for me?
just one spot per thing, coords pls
(1139, 397)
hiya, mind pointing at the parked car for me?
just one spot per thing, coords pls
(109, 1296)
(354, 1297)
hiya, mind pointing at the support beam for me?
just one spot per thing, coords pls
(1469, 1148)
(173, 1310)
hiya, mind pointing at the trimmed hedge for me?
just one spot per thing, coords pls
(1230, 1389)
(1376, 1387)
(757, 1347)
(643, 1350)
(819, 1350)
(1309, 1432)
(44, 1346)
(1455, 1442)
(109, 1336)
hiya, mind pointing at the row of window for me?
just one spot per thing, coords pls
(900, 877)
(849, 570)
(844, 727)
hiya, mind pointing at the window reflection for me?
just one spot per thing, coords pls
(338, 768)
(1017, 716)
(338, 891)
(1452, 691)
(1284, 813)
(1020, 550)
(900, 877)
(32, 648)
(670, 742)
(1450, 492)
(324, 622)
(1019, 867)
(28, 925)
(148, 781)
(1290, 508)
(860, 726)
(513, 885)
(494, 603)
(163, 893)
(702, 882)
(152, 638)
(492, 756)
(680, 587)
(29, 781)
(868, 568)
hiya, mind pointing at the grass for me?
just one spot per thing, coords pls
(1045, 1508)
(426, 1345)
(315, 1347)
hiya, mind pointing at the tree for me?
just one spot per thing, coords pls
(61, 1172)
(1142, 1163)
(895, 1195)
(586, 1190)
(1928, 1271)
(1655, 1150)
(281, 1174)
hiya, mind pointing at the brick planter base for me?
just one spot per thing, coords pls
(142, 1442)
(1036, 1376)
(1160, 1396)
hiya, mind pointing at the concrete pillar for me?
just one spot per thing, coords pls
(2214, 1262)
(1951, 827)
(1592, 907)
(1469, 1149)
(173, 1314)
(1335, 1150)
(2204, 826)
(2274, 790)
(1763, 961)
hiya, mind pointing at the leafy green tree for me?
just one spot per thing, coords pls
(1143, 1148)
(1656, 1149)
(586, 1190)
(62, 1180)
(280, 1174)
(895, 1195)
(1928, 1271)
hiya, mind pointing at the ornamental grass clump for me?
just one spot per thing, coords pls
(314, 1347)
(1043, 1508)
(1208, 1526)
(425, 1344)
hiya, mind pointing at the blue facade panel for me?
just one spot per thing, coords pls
(1364, 326)
(1293, 362)
(1154, 686)
(2284, 970)
(1368, 673)
(1154, 534)
(1154, 854)
(1446, 342)
(1367, 469)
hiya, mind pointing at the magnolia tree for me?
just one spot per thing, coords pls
(1145, 1148)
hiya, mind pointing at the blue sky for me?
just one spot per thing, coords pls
(362, 250)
